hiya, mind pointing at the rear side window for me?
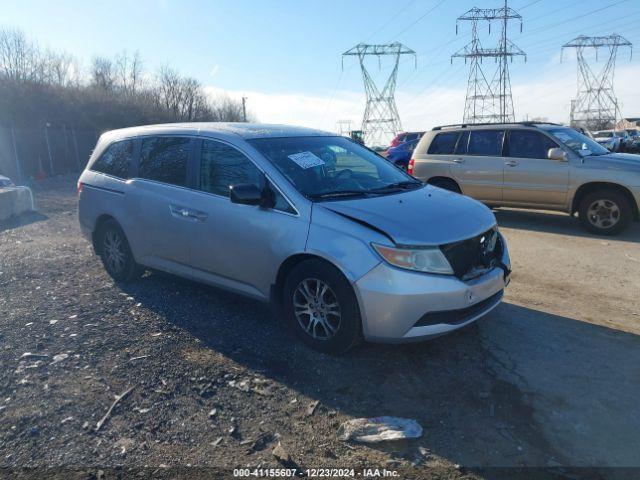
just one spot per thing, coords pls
(116, 159)
(528, 144)
(486, 143)
(164, 159)
(443, 143)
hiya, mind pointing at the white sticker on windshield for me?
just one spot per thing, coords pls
(306, 160)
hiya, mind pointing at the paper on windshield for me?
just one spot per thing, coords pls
(306, 160)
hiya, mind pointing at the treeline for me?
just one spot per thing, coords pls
(40, 86)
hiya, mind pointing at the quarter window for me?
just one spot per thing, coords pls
(486, 143)
(116, 159)
(164, 159)
(443, 143)
(529, 144)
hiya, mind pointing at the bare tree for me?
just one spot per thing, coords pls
(103, 74)
(18, 56)
(128, 72)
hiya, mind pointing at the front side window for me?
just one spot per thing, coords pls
(580, 144)
(222, 166)
(487, 143)
(116, 159)
(331, 167)
(443, 143)
(164, 159)
(529, 144)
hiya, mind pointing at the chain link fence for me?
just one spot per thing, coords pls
(28, 154)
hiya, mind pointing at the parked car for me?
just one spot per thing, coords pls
(343, 244)
(529, 165)
(5, 182)
(405, 137)
(634, 140)
(401, 154)
(608, 140)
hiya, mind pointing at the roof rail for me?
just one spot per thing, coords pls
(465, 125)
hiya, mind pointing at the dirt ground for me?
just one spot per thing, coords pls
(550, 380)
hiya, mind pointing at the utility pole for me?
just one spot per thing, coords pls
(489, 93)
(595, 106)
(381, 120)
(244, 109)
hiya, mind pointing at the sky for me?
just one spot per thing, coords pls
(285, 55)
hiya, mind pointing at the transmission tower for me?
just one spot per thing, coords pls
(595, 106)
(381, 120)
(489, 92)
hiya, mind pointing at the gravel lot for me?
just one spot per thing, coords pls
(550, 379)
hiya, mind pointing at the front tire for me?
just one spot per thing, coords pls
(605, 212)
(115, 253)
(320, 307)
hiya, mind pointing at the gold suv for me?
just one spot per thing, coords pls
(533, 165)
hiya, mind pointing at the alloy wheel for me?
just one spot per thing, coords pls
(317, 309)
(115, 255)
(603, 214)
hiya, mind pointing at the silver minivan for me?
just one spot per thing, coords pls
(345, 245)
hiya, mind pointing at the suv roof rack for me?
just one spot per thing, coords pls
(465, 125)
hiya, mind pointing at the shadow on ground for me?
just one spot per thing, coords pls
(477, 392)
(560, 224)
(21, 220)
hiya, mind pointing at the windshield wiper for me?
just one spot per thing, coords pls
(338, 193)
(404, 185)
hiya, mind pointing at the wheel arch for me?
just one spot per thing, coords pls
(590, 187)
(436, 178)
(286, 266)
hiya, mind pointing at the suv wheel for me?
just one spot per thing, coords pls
(115, 253)
(320, 307)
(605, 212)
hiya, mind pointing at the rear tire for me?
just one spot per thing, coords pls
(446, 184)
(605, 212)
(115, 253)
(320, 307)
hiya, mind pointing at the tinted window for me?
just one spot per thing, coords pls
(222, 166)
(443, 143)
(116, 159)
(528, 144)
(463, 141)
(164, 159)
(486, 143)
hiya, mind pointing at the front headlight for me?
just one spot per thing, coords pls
(428, 259)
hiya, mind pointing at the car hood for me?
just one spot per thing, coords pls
(614, 161)
(425, 216)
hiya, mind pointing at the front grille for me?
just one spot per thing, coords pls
(456, 317)
(472, 257)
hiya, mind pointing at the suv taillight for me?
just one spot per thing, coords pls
(410, 167)
(79, 187)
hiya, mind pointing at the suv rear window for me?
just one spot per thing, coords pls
(164, 159)
(115, 160)
(486, 143)
(443, 143)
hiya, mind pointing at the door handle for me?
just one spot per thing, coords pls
(511, 163)
(200, 216)
(458, 160)
(187, 214)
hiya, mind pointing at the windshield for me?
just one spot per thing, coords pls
(331, 167)
(577, 142)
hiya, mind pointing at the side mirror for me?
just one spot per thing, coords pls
(250, 194)
(245, 194)
(557, 154)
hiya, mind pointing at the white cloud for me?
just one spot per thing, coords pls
(547, 94)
